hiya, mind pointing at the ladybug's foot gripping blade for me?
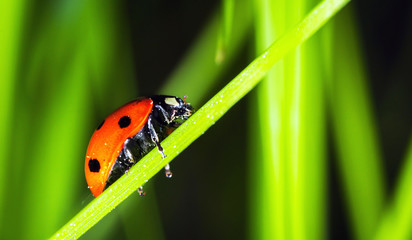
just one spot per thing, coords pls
(159, 147)
(169, 174)
(140, 191)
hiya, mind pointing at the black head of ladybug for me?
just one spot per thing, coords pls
(172, 111)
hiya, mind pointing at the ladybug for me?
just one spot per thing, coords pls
(128, 134)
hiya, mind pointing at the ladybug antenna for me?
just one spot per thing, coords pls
(184, 99)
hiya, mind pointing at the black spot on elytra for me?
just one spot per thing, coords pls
(94, 165)
(101, 124)
(124, 122)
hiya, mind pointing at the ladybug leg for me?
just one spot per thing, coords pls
(155, 139)
(169, 173)
(129, 155)
(140, 191)
(168, 118)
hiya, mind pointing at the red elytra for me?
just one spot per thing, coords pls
(107, 141)
(128, 134)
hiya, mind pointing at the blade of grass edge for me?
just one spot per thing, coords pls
(195, 126)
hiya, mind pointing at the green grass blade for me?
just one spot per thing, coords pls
(397, 221)
(312, 143)
(288, 162)
(268, 197)
(52, 209)
(355, 131)
(224, 38)
(311, 168)
(228, 12)
(11, 16)
(293, 132)
(203, 119)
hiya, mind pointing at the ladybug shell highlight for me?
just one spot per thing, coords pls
(108, 140)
